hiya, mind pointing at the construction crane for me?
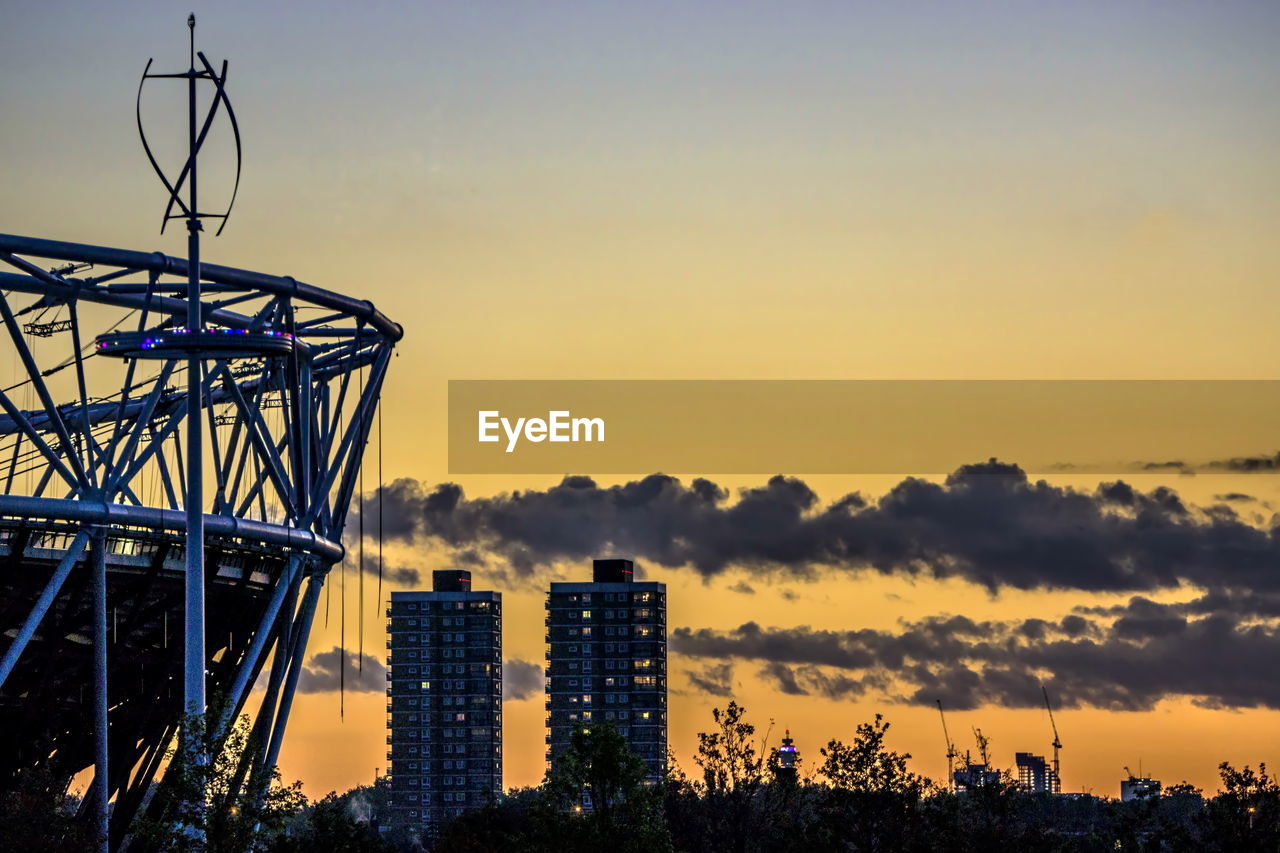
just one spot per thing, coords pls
(983, 742)
(951, 749)
(1057, 744)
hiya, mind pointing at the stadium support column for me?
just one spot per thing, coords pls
(193, 665)
(101, 739)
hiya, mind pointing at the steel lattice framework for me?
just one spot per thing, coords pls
(92, 515)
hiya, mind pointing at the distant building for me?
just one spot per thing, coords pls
(445, 700)
(788, 756)
(1035, 774)
(1139, 788)
(974, 776)
(607, 661)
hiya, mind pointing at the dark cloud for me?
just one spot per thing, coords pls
(784, 677)
(522, 679)
(1258, 464)
(1120, 658)
(743, 587)
(1172, 465)
(398, 575)
(401, 576)
(322, 673)
(716, 679)
(1235, 497)
(809, 679)
(1248, 464)
(987, 523)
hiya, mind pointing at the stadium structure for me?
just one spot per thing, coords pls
(180, 443)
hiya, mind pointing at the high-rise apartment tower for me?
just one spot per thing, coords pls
(444, 701)
(607, 660)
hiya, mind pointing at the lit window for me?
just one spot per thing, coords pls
(586, 614)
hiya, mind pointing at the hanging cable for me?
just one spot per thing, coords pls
(380, 481)
(342, 639)
(361, 436)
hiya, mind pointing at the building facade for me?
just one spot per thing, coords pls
(607, 661)
(1035, 774)
(444, 700)
(1138, 788)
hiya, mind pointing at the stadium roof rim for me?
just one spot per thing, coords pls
(158, 262)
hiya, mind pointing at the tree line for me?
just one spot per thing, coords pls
(740, 798)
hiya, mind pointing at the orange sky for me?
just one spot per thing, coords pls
(726, 191)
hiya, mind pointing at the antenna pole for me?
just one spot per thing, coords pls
(194, 660)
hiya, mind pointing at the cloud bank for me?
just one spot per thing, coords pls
(1123, 658)
(987, 523)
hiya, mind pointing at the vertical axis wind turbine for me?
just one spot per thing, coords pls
(193, 682)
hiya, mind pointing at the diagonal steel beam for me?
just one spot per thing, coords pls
(42, 390)
(41, 607)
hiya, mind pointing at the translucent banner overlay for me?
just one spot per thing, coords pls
(860, 426)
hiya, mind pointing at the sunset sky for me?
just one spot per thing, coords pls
(751, 190)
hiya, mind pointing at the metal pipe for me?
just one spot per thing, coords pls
(256, 646)
(314, 582)
(98, 512)
(38, 610)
